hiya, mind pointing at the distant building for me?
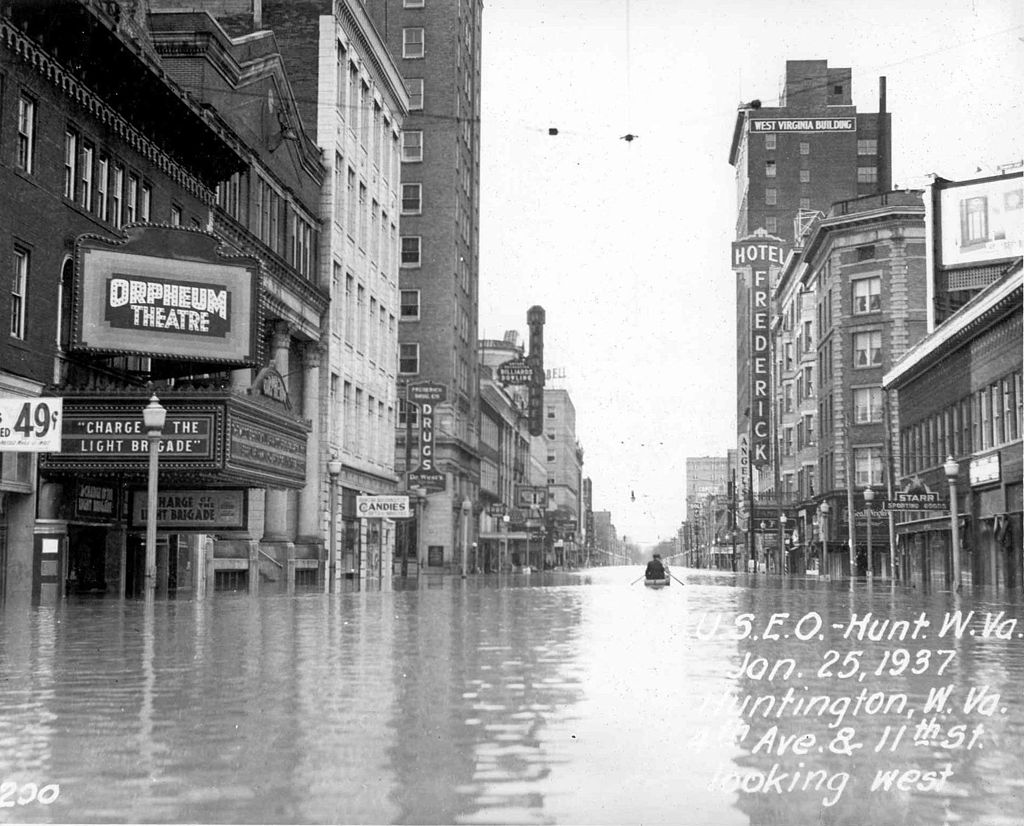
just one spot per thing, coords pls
(563, 455)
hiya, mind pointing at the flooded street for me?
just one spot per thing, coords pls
(559, 698)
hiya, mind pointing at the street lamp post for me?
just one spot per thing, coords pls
(823, 509)
(952, 469)
(782, 543)
(154, 416)
(505, 519)
(333, 470)
(869, 498)
(466, 508)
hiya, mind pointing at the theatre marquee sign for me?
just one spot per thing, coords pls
(166, 292)
(219, 438)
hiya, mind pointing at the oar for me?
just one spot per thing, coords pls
(635, 581)
(677, 579)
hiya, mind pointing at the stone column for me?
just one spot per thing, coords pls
(310, 528)
(275, 527)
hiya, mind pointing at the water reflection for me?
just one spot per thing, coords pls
(551, 699)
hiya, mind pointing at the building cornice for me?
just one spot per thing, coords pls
(30, 53)
(989, 306)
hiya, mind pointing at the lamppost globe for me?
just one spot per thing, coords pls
(869, 494)
(154, 416)
(952, 468)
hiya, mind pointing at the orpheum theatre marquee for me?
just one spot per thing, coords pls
(169, 294)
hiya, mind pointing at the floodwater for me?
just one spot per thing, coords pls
(550, 698)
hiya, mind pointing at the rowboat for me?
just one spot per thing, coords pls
(657, 583)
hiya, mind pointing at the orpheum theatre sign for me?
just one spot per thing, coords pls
(166, 292)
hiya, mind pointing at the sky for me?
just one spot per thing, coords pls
(625, 244)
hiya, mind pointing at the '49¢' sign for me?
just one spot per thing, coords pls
(31, 424)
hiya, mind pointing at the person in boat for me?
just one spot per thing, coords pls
(656, 569)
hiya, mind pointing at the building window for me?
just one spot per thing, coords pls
(19, 285)
(412, 4)
(867, 147)
(867, 349)
(867, 464)
(131, 199)
(805, 148)
(805, 203)
(415, 86)
(26, 133)
(102, 188)
(805, 176)
(146, 202)
(867, 174)
(974, 220)
(350, 309)
(408, 358)
(551, 411)
(769, 169)
(809, 427)
(769, 141)
(412, 199)
(410, 304)
(411, 252)
(117, 196)
(771, 197)
(70, 164)
(302, 245)
(85, 176)
(175, 215)
(551, 457)
(867, 295)
(412, 42)
(867, 405)
(412, 145)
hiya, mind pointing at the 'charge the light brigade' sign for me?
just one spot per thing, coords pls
(166, 292)
(150, 304)
(193, 511)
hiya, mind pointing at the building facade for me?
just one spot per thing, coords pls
(792, 162)
(138, 280)
(563, 456)
(355, 100)
(436, 46)
(850, 303)
(958, 394)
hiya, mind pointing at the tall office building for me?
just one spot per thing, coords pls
(792, 162)
(436, 46)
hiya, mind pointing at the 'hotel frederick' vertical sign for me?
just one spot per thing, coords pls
(758, 254)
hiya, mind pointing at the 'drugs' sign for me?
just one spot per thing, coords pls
(166, 292)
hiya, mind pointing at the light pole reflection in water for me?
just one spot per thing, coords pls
(154, 416)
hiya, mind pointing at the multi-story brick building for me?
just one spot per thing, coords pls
(851, 302)
(959, 395)
(352, 95)
(563, 456)
(792, 162)
(436, 46)
(126, 245)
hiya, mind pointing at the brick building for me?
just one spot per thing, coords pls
(120, 181)
(851, 302)
(959, 394)
(792, 162)
(436, 46)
